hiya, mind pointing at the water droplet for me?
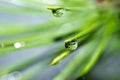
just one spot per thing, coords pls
(12, 76)
(16, 75)
(71, 45)
(19, 44)
(58, 12)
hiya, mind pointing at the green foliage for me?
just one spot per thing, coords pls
(92, 24)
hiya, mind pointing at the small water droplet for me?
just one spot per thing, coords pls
(19, 44)
(58, 12)
(71, 45)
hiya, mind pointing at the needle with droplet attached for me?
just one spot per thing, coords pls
(94, 24)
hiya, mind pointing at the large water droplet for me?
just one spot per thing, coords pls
(71, 45)
(58, 12)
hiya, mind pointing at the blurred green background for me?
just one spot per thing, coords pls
(31, 37)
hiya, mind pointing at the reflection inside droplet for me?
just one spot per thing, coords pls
(71, 45)
(58, 12)
(19, 44)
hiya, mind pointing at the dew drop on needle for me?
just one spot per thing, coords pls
(58, 12)
(71, 45)
(19, 44)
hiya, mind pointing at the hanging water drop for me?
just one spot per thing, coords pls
(71, 45)
(58, 12)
